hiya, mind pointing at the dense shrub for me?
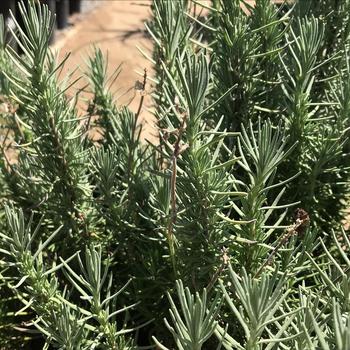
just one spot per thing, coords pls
(226, 232)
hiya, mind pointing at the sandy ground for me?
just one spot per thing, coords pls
(117, 27)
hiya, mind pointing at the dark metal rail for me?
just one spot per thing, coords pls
(62, 8)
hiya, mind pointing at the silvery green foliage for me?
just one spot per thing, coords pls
(284, 63)
(64, 324)
(196, 324)
(252, 114)
(261, 310)
(50, 172)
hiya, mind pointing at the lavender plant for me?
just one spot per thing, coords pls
(252, 112)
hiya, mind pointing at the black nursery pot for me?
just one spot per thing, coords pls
(51, 5)
(62, 13)
(5, 7)
(74, 6)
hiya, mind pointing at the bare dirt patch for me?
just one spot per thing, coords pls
(117, 27)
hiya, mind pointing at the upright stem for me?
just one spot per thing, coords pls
(134, 126)
(301, 222)
(173, 216)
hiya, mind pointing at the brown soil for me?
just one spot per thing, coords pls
(117, 27)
